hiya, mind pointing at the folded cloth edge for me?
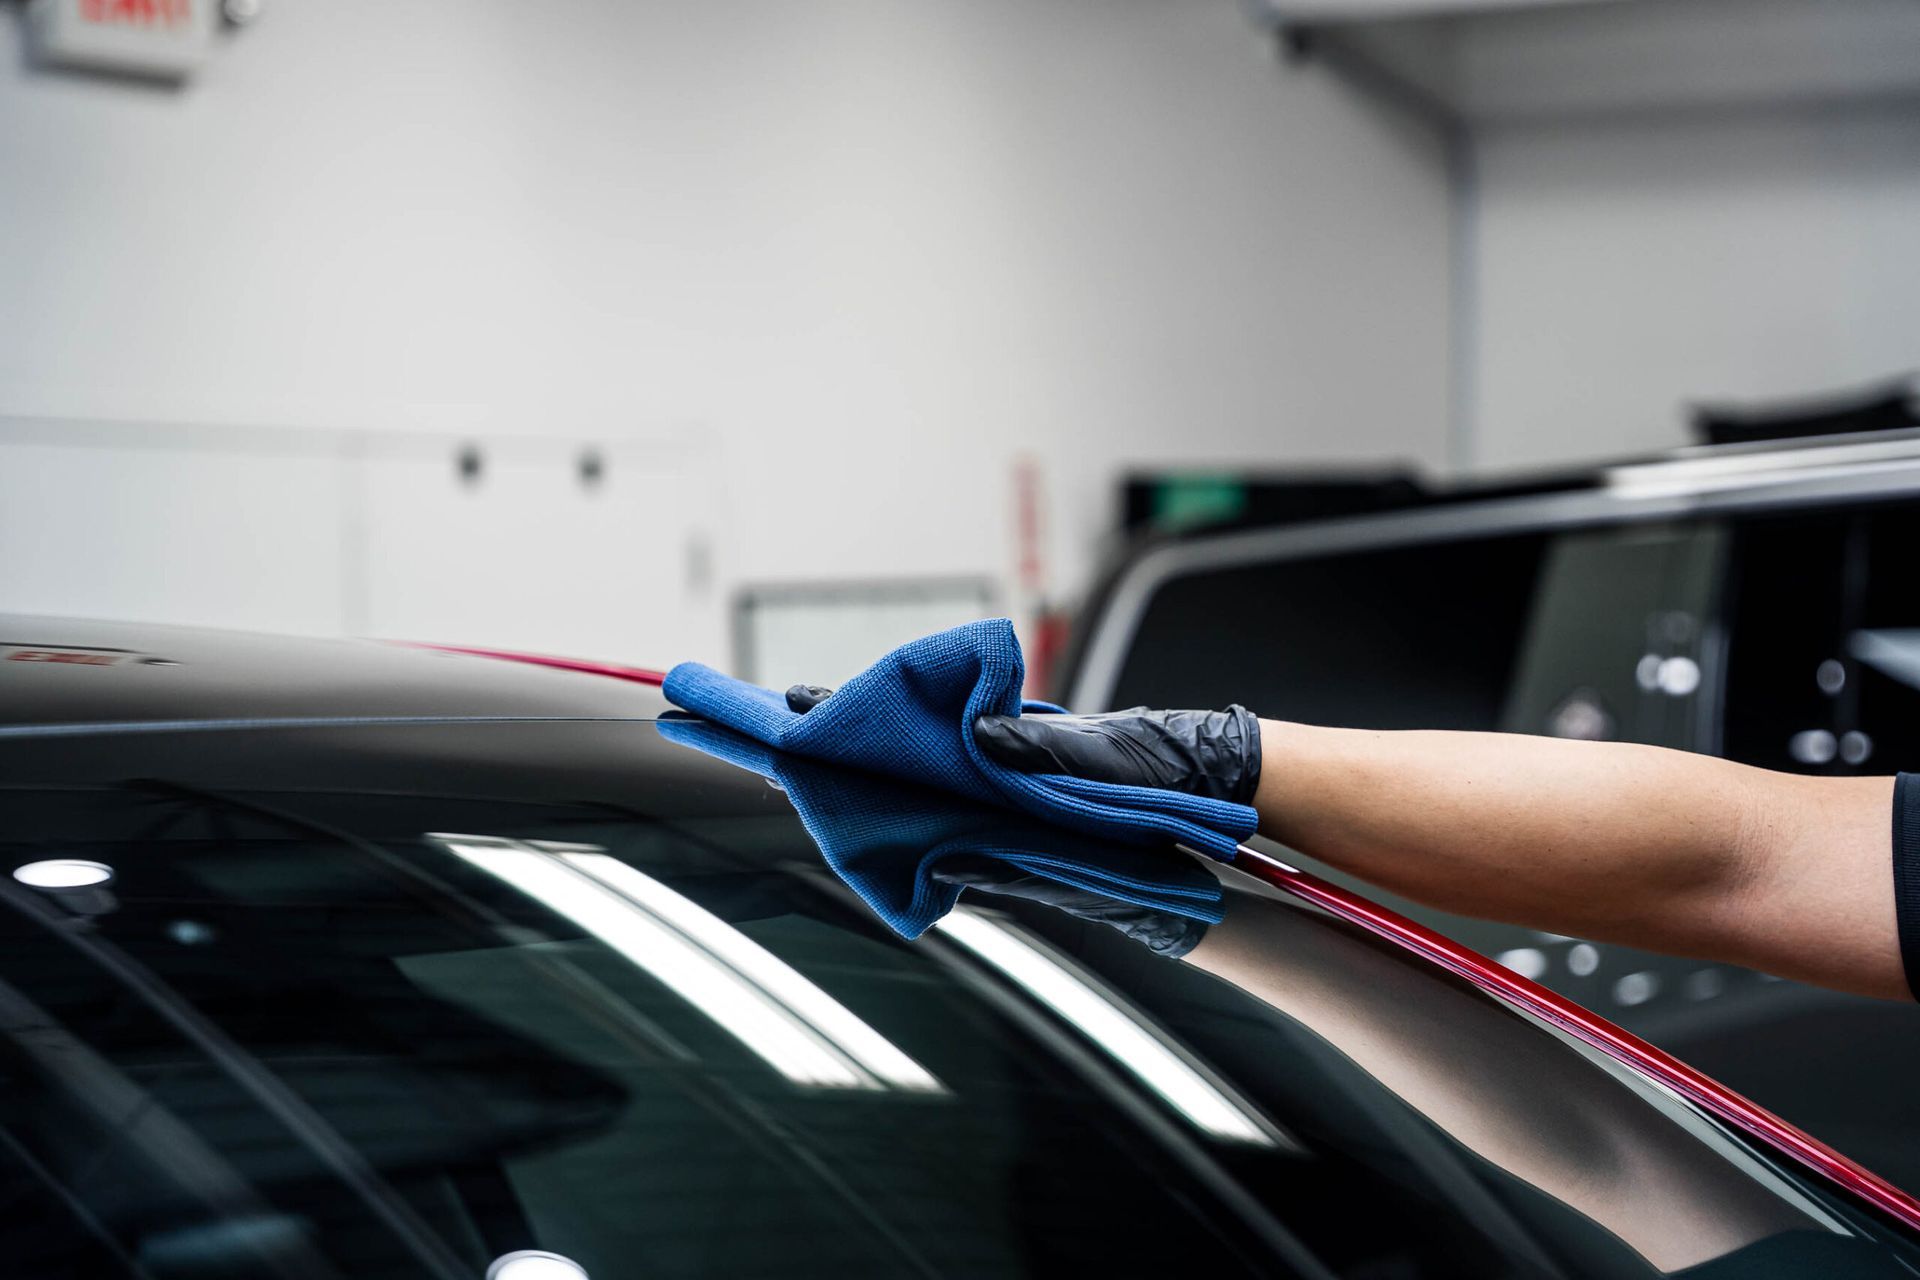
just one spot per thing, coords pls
(931, 900)
(1130, 814)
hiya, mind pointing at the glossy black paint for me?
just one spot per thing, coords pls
(298, 1036)
(79, 671)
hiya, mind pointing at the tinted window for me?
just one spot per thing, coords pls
(1883, 651)
(1620, 642)
(1790, 608)
(1409, 637)
(402, 1002)
(1824, 671)
(327, 1044)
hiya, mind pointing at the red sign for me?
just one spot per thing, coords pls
(137, 13)
(64, 655)
(164, 38)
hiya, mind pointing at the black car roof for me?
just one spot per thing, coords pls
(67, 672)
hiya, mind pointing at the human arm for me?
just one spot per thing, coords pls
(1660, 849)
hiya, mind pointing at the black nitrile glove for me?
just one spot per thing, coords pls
(1160, 932)
(1215, 754)
(805, 697)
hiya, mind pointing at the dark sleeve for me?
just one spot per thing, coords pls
(1906, 873)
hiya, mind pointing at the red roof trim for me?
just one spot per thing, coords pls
(612, 670)
(1498, 980)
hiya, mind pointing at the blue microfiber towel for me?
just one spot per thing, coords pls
(885, 840)
(910, 716)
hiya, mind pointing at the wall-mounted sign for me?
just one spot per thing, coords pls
(166, 39)
(65, 657)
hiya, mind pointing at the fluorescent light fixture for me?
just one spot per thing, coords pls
(788, 987)
(63, 873)
(1115, 1029)
(791, 1024)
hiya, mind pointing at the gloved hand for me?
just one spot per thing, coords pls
(1161, 932)
(805, 697)
(888, 842)
(1215, 754)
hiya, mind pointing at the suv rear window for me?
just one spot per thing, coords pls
(1286, 638)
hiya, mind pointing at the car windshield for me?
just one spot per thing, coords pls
(529, 1000)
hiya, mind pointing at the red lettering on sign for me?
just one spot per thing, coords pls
(137, 13)
(49, 655)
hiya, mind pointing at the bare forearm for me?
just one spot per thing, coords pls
(1661, 849)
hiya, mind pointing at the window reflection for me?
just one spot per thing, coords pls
(310, 1042)
(1109, 1024)
(795, 1027)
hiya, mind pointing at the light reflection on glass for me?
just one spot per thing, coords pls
(731, 979)
(772, 975)
(535, 1264)
(63, 873)
(1528, 962)
(1893, 653)
(1130, 1042)
(1705, 984)
(1583, 959)
(1678, 677)
(1636, 988)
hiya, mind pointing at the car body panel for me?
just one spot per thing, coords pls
(585, 666)
(1498, 980)
(71, 671)
(321, 967)
(1630, 1050)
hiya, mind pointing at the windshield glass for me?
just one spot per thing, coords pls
(443, 1001)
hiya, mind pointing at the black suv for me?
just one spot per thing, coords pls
(1752, 602)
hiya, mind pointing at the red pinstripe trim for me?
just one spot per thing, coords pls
(1498, 980)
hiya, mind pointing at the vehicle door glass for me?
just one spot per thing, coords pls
(1406, 637)
(1620, 643)
(1603, 632)
(1882, 660)
(1794, 597)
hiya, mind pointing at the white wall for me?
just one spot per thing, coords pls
(1623, 268)
(847, 259)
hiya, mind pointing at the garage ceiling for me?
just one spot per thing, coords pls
(1489, 61)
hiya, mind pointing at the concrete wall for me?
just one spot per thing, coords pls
(817, 274)
(1623, 267)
